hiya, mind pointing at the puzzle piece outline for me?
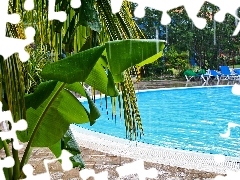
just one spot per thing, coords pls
(66, 166)
(192, 10)
(20, 125)
(7, 162)
(60, 15)
(6, 44)
(87, 173)
(30, 32)
(137, 167)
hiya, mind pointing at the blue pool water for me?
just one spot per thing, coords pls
(182, 118)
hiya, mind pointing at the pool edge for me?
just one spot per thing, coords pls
(97, 96)
(152, 153)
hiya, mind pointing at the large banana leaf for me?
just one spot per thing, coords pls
(123, 54)
(75, 68)
(78, 88)
(51, 117)
(102, 80)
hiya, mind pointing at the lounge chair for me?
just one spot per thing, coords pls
(237, 73)
(214, 74)
(211, 74)
(227, 74)
(190, 74)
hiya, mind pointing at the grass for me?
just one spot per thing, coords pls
(235, 66)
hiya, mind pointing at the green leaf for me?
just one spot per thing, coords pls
(75, 68)
(103, 60)
(49, 120)
(126, 53)
(89, 16)
(86, 45)
(100, 80)
(151, 59)
(94, 112)
(77, 87)
(56, 149)
(5, 105)
(111, 88)
(6, 173)
(69, 32)
(69, 143)
(1, 143)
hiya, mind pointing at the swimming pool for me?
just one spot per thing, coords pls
(182, 118)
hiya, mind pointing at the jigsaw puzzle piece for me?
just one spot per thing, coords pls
(169, 5)
(5, 17)
(17, 45)
(137, 167)
(66, 162)
(66, 166)
(28, 171)
(9, 46)
(29, 5)
(87, 173)
(75, 3)
(20, 125)
(236, 31)
(226, 7)
(52, 14)
(5, 163)
(140, 10)
(193, 10)
(116, 5)
(165, 7)
(157, 5)
(64, 157)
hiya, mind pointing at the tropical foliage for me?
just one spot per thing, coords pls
(177, 62)
(183, 36)
(100, 49)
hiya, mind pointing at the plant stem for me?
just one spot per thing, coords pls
(7, 152)
(25, 155)
(16, 167)
(6, 149)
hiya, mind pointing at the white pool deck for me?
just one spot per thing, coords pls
(151, 153)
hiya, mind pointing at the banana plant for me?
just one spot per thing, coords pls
(101, 67)
(45, 100)
(49, 117)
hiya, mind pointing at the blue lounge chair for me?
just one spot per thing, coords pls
(211, 74)
(227, 74)
(215, 74)
(237, 73)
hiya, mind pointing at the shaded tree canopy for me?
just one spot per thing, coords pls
(184, 36)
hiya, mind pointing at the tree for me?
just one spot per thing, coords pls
(184, 36)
